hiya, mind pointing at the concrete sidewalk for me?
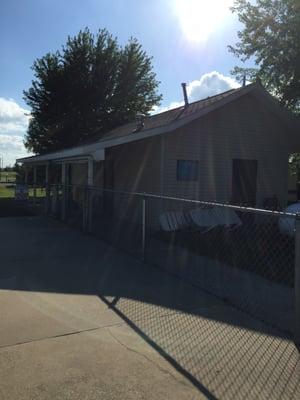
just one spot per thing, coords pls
(81, 320)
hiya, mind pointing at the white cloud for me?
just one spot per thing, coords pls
(11, 141)
(174, 104)
(208, 85)
(13, 118)
(12, 147)
(13, 125)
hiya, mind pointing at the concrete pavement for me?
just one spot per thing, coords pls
(80, 320)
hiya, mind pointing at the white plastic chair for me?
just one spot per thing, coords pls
(227, 217)
(210, 218)
(171, 221)
(204, 218)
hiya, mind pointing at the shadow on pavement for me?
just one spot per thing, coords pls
(225, 353)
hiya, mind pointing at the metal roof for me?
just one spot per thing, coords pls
(164, 118)
(156, 124)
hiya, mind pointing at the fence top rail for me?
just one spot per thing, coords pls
(184, 200)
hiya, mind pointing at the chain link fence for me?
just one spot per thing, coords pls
(244, 256)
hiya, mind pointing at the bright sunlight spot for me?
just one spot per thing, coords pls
(199, 18)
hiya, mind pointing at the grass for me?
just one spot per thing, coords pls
(7, 176)
(9, 207)
(8, 192)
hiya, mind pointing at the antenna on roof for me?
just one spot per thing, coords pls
(186, 100)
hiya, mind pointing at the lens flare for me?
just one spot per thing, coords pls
(200, 18)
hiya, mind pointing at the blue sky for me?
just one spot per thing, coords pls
(187, 39)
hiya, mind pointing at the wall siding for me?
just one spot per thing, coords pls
(137, 168)
(242, 129)
(78, 173)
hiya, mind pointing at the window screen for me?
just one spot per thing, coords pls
(187, 170)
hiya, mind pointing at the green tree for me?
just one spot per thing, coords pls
(89, 87)
(270, 36)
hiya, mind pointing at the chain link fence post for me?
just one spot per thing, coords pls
(83, 205)
(90, 209)
(297, 281)
(47, 203)
(144, 228)
(85, 209)
(54, 200)
(64, 203)
(34, 194)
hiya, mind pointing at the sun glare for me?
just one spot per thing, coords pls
(199, 18)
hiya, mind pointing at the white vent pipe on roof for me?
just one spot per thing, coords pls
(186, 100)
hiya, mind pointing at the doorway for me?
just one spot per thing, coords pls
(244, 182)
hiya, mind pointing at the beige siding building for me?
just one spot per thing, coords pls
(231, 148)
(241, 130)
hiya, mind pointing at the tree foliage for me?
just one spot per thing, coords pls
(91, 86)
(270, 35)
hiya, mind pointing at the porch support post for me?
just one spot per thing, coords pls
(26, 174)
(90, 179)
(89, 195)
(47, 167)
(144, 229)
(34, 183)
(162, 171)
(47, 204)
(64, 191)
(63, 173)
